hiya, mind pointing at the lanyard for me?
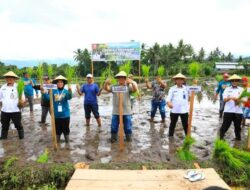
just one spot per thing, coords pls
(60, 95)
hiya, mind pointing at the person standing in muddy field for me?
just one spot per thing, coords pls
(126, 104)
(220, 90)
(11, 106)
(45, 104)
(246, 103)
(177, 101)
(233, 111)
(90, 91)
(61, 107)
(158, 101)
(28, 90)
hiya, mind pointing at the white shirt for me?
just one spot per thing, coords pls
(230, 106)
(179, 99)
(9, 98)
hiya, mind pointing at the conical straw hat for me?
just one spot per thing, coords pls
(180, 76)
(121, 74)
(60, 77)
(234, 77)
(10, 74)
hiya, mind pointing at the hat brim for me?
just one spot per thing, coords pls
(174, 78)
(120, 76)
(11, 77)
(56, 80)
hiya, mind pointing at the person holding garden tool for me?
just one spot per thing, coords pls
(11, 105)
(61, 107)
(158, 87)
(45, 104)
(177, 101)
(28, 90)
(126, 105)
(220, 90)
(90, 91)
(232, 111)
(246, 103)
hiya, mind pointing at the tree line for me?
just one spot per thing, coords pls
(175, 58)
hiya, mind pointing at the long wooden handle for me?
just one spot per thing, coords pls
(190, 117)
(248, 144)
(53, 120)
(121, 127)
(191, 109)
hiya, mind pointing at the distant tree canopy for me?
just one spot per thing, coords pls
(174, 58)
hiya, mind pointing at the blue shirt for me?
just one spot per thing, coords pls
(220, 88)
(90, 91)
(60, 101)
(28, 89)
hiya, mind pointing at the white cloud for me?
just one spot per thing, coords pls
(55, 28)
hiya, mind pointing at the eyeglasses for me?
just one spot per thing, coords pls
(235, 80)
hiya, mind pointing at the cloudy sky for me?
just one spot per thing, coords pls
(48, 29)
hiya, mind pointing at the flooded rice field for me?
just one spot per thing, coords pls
(92, 144)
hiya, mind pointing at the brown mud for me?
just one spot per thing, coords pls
(92, 144)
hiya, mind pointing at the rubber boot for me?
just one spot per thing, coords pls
(113, 138)
(21, 134)
(58, 138)
(129, 137)
(66, 137)
(4, 134)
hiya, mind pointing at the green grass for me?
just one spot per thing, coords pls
(233, 164)
(9, 162)
(126, 67)
(70, 71)
(44, 157)
(161, 71)
(39, 73)
(244, 94)
(50, 71)
(218, 78)
(30, 71)
(184, 152)
(20, 89)
(145, 70)
(194, 70)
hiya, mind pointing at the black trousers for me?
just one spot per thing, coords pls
(62, 126)
(15, 117)
(227, 121)
(45, 111)
(174, 118)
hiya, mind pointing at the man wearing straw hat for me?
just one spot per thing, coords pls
(127, 120)
(10, 106)
(177, 101)
(232, 111)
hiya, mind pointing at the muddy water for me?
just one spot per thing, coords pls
(92, 144)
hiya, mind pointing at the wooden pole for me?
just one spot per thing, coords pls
(121, 127)
(248, 144)
(92, 68)
(191, 108)
(53, 120)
